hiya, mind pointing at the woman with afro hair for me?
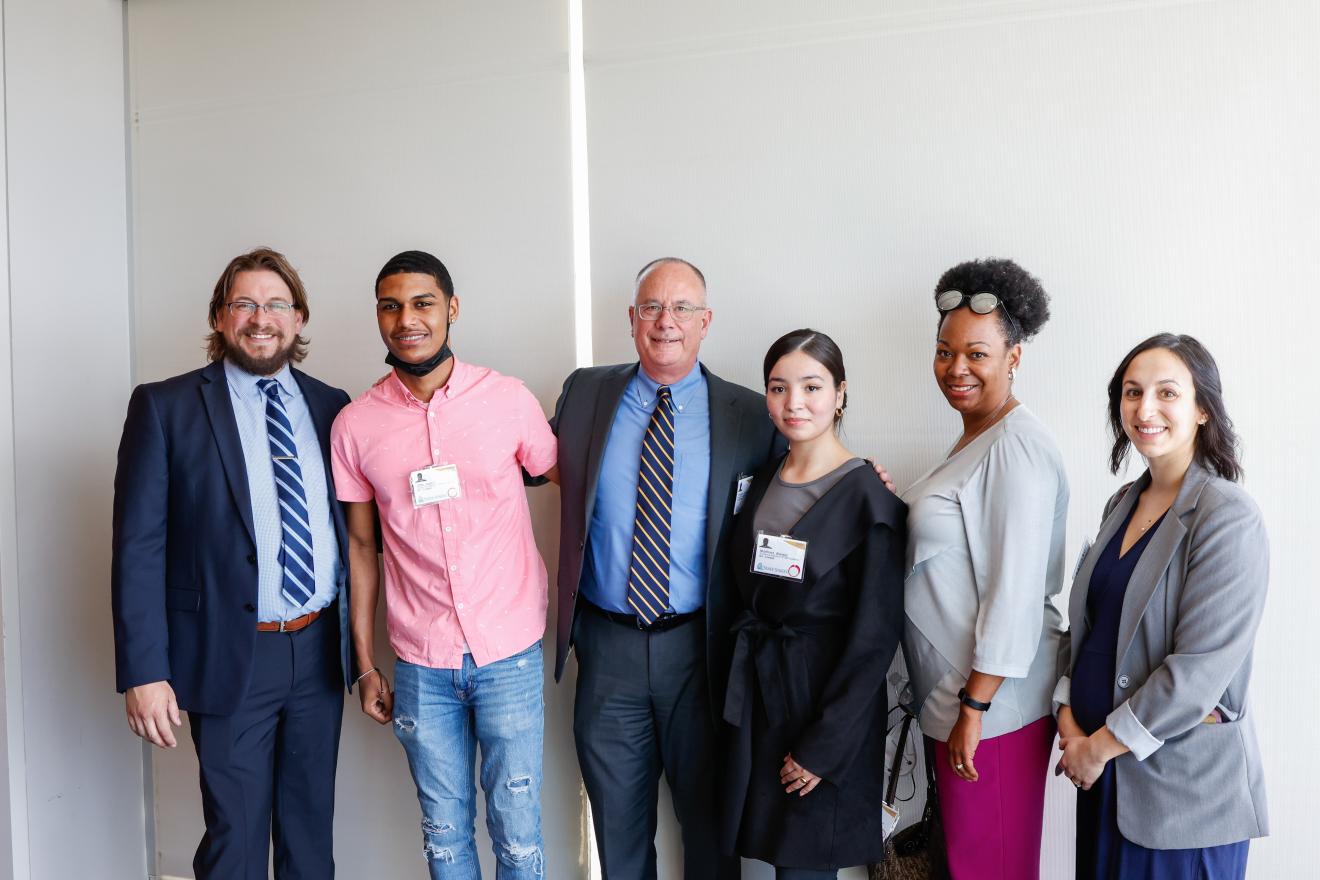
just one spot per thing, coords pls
(985, 549)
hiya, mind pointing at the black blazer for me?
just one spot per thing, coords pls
(184, 572)
(741, 439)
(808, 678)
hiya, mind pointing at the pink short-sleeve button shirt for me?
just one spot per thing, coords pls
(462, 574)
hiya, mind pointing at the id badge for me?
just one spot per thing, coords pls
(1081, 558)
(779, 556)
(888, 820)
(739, 496)
(431, 485)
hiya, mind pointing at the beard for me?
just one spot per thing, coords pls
(261, 366)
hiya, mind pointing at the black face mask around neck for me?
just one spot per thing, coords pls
(425, 367)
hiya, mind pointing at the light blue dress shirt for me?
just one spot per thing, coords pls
(250, 412)
(605, 580)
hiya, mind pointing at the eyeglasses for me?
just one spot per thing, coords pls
(682, 312)
(276, 309)
(982, 303)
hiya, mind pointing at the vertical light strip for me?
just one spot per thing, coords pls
(15, 850)
(577, 113)
(577, 88)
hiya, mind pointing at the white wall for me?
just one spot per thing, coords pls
(1152, 162)
(73, 799)
(342, 133)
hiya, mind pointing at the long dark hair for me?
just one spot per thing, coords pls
(819, 347)
(1216, 441)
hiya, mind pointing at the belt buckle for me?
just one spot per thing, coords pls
(282, 626)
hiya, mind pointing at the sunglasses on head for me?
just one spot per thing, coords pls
(981, 303)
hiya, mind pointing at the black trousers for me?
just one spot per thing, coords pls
(268, 770)
(643, 708)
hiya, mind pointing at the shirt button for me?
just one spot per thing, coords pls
(449, 528)
(453, 568)
(1124, 681)
(435, 451)
(460, 606)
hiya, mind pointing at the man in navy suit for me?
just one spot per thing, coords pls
(229, 585)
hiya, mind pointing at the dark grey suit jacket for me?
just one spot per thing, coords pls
(1185, 642)
(742, 439)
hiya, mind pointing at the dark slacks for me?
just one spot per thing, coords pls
(643, 708)
(268, 770)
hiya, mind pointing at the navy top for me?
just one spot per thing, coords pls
(1093, 677)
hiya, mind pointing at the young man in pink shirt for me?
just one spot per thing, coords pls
(437, 449)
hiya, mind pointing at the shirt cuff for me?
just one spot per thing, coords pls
(1062, 694)
(1003, 670)
(1125, 727)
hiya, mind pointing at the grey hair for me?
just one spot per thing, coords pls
(663, 261)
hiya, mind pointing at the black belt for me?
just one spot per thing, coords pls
(632, 621)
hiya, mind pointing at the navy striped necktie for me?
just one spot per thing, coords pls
(299, 577)
(648, 573)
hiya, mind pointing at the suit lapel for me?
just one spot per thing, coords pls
(725, 425)
(1148, 574)
(322, 419)
(1082, 581)
(224, 427)
(608, 399)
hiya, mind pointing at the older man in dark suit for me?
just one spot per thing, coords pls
(653, 457)
(228, 581)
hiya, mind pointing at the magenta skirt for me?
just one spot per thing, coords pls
(992, 826)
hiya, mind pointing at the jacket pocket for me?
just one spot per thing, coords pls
(182, 600)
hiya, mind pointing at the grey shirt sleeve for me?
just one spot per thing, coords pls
(1008, 510)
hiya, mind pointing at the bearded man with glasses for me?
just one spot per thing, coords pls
(228, 581)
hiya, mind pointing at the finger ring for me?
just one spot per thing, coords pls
(957, 766)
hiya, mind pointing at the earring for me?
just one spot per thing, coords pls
(838, 412)
(1012, 373)
(1202, 422)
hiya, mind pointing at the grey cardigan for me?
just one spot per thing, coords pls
(1185, 641)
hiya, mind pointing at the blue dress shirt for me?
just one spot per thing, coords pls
(605, 575)
(249, 404)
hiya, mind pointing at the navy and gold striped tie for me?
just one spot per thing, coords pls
(648, 574)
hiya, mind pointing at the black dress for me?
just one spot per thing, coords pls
(808, 677)
(1102, 851)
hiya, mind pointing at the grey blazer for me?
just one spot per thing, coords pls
(742, 440)
(1185, 641)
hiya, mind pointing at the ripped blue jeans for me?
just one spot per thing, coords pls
(440, 717)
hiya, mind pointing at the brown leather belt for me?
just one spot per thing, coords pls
(289, 626)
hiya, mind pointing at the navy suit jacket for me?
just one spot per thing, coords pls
(184, 572)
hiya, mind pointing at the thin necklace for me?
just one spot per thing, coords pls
(990, 421)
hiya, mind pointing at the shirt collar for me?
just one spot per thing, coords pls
(645, 389)
(460, 379)
(245, 383)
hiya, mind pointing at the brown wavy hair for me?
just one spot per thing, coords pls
(257, 259)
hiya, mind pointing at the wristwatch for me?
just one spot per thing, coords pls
(971, 703)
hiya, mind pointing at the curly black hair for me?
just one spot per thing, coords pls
(1024, 304)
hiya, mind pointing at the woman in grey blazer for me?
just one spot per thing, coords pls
(1154, 720)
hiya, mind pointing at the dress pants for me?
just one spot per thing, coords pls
(268, 770)
(643, 707)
